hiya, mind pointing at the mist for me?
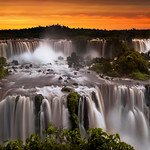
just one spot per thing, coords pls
(42, 55)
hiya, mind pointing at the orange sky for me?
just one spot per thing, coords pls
(101, 14)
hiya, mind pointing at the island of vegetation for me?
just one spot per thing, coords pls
(126, 63)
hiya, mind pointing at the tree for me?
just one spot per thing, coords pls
(132, 61)
(75, 61)
(100, 140)
(3, 71)
(59, 139)
(72, 104)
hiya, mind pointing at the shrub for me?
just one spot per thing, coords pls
(2, 61)
(129, 63)
(72, 104)
(132, 61)
(59, 139)
(75, 61)
(3, 71)
(139, 76)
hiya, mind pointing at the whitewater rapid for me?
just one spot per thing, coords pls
(116, 105)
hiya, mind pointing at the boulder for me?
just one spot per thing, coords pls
(67, 89)
(60, 78)
(75, 84)
(15, 62)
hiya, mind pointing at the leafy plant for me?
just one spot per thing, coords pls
(72, 104)
(59, 139)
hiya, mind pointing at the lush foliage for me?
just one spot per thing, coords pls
(72, 104)
(3, 71)
(58, 139)
(139, 76)
(58, 31)
(75, 61)
(128, 63)
(131, 61)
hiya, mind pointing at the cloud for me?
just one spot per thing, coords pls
(21, 13)
(85, 2)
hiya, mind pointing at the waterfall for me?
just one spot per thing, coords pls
(115, 108)
(106, 48)
(141, 45)
(95, 47)
(16, 118)
(99, 46)
(10, 48)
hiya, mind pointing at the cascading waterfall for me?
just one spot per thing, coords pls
(98, 45)
(115, 108)
(16, 118)
(106, 48)
(95, 47)
(141, 45)
(124, 113)
(10, 48)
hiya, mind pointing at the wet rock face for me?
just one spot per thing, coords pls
(30, 65)
(75, 84)
(27, 67)
(60, 78)
(39, 71)
(94, 98)
(75, 73)
(15, 62)
(86, 118)
(147, 95)
(60, 58)
(37, 102)
(67, 89)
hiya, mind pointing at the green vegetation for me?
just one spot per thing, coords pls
(3, 71)
(75, 61)
(131, 61)
(72, 104)
(139, 76)
(128, 63)
(59, 139)
(59, 31)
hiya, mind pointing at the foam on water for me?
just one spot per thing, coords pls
(44, 54)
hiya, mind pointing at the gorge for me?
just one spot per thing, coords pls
(113, 104)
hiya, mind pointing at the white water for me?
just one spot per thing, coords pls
(11, 48)
(141, 45)
(115, 108)
(95, 47)
(42, 55)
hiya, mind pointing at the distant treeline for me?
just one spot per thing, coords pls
(58, 31)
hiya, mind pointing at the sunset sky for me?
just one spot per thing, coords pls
(101, 14)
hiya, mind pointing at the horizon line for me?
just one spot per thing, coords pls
(44, 26)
